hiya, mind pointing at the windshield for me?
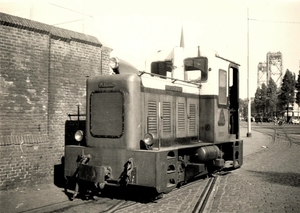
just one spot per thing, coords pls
(106, 114)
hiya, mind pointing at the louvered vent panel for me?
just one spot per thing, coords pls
(166, 116)
(152, 117)
(181, 116)
(192, 120)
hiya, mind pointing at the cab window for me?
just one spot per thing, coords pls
(222, 87)
(161, 67)
(195, 69)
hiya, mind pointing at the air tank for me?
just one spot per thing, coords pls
(207, 153)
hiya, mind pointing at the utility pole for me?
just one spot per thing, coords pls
(299, 91)
(248, 96)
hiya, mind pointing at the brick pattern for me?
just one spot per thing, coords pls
(24, 86)
(105, 60)
(28, 164)
(43, 73)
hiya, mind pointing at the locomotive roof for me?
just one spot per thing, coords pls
(125, 67)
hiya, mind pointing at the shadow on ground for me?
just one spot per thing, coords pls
(87, 190)
(288, 179)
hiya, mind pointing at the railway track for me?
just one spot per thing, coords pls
(201, 191)
(57, 207)
(201, 205)
(281, 134)
(120, 206)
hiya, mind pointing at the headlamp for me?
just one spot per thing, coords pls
(148, 139)
(79, 135)
(114, 62)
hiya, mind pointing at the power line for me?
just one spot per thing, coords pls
(270, 21)
(67, 22)
(75, 11)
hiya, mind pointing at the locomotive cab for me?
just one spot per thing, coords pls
(218, 82)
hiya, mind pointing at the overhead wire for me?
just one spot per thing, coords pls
(271, 21)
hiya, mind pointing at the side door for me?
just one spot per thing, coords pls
(233, 99)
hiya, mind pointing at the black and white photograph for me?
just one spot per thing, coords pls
(145, 106)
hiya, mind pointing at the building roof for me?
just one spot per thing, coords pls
(55, 32)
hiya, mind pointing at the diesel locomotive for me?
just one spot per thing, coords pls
(161, 127)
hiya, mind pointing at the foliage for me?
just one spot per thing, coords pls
(243, 107)
(271, 99)
(287, 91)
(257, 100)
(260, 99)
(298, 89)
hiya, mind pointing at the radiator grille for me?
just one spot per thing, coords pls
(181, 116)
(152, 117)
(192, 120)
(166, 117)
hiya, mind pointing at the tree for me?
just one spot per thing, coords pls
(287, 91)
(257, 100)
(260, 99)
(271, 99)
(243, 107)
(264, 91)
(298, 90)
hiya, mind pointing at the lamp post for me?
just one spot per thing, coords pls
(249, 101)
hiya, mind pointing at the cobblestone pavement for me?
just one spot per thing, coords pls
(268, 181)
(180, 200)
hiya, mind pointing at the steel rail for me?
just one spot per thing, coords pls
(114, 207)
(205, 195)
(276, 135)
(122, 206)
(58, 205)
(287, 136)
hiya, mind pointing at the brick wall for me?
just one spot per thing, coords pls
(43, 71)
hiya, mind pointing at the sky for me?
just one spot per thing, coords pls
(238, 30)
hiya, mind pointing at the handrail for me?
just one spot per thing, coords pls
(172, 79)
(77, 115)
(217, 56)
(71, 115)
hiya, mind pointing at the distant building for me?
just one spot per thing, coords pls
(271, 68)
